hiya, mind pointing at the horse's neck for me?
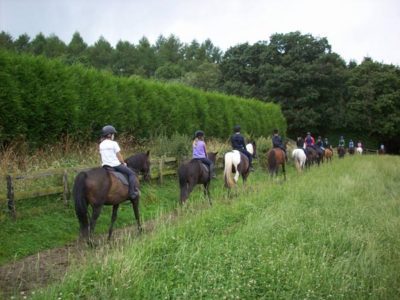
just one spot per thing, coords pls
(249, 148)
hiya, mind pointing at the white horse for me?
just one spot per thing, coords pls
(239, 162)
(299, 158)
(359, 150)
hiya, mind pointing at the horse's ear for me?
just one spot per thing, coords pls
(148, 153)
(216, 153)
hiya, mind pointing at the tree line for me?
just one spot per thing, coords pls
(317, 90)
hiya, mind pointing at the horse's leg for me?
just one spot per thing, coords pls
(207, 191)
(283, 171)
(95, 215)
(113, 218)
(135, 206)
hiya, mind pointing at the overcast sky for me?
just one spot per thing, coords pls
(354, 28)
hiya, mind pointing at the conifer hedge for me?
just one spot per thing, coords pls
(42, 100)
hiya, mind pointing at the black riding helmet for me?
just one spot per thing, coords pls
(108, 129)
(199, 133)
(236, 128)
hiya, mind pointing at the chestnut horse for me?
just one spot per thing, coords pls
(275, 158)
(328, 154)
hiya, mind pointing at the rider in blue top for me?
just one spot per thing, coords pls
(351, 144)
(200, 152)
(238, 143)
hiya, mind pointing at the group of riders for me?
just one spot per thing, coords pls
(111, 157)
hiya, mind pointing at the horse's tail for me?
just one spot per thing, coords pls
(272, 161)
(81, 210)
(183, 184)
(229, 182)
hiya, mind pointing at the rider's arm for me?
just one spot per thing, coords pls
(120, 158)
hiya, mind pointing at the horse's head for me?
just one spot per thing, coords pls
(140, 163)
(212, 156)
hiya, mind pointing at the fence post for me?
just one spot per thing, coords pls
(160, 170)
(66, 193)
(10, 196)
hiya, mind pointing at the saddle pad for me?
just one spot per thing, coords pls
(122, 177)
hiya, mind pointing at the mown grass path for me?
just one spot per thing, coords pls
(329, 233)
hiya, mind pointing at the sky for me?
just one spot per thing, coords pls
(354, 28)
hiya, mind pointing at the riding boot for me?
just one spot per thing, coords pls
(134, 193)
(212, 172)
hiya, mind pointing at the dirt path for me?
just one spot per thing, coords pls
(49, 266)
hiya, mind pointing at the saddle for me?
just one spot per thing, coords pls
(202, 165)
(120, 176)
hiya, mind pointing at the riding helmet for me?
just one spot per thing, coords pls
(236, 128)
(199, 133)
(108, 129)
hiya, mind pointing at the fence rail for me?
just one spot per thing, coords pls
(160, 167)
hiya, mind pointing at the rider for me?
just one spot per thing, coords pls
(309, 141)
(238, 143)
(277, 142)
(326, 143)
(200, 152)
(300, 144)
(351, 144)
(341, 141)
(111, 157)
(320, 143)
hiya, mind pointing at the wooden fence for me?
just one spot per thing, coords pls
(160, 167)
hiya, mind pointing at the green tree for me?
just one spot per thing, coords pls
(22, 43)
(77, 50)
(6, 41)
(101, 54)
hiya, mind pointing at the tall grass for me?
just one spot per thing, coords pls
(329, 233)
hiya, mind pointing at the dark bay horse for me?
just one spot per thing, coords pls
(276, 157)
(341, 151)
(192, 173)
(97, 187)
(312, 156)
(140, 163)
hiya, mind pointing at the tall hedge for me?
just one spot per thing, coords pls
(42, 100)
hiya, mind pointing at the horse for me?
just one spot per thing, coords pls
(98, 187)
(328, 154)
(238, 163)
(140, 163)
(381, 151)
(192, 173)
(299, 158)
(351, 150)
(276, 157)
(359, 150)
(312, 156)
(341, 151)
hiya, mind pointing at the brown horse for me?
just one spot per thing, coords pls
(276, 157)
(328, 154)
(312, 156)
(238, 163)
(98, 187)
(341, 151)
(140, 163)
(192, 173)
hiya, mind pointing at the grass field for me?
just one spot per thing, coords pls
(331, 232)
